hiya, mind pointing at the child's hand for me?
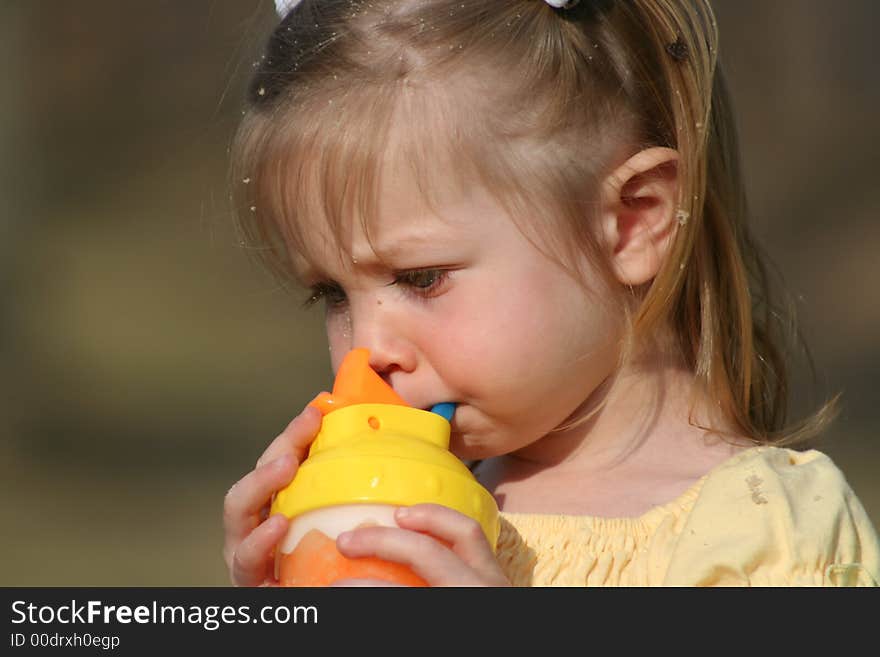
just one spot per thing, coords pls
(442, 546)
(251, 536)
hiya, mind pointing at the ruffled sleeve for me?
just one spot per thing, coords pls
(776, 517)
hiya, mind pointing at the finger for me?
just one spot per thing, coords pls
(427, 557)
(464, 535)
(250, 494)
(296, 437)
(251, 562)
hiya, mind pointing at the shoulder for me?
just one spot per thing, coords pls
(761, 471)
(775, 516)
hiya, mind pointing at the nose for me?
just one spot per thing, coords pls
(383, 332)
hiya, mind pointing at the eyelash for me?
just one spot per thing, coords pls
(334, 296)
(408, 279)
(330, 292)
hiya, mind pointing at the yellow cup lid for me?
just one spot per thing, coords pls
(386, 454)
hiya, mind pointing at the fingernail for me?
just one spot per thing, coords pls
(402, 512)
(344, 538)
(309, 409)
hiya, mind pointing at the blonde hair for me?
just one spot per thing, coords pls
(535, 104)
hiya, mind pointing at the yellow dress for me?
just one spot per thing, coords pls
(766, 517)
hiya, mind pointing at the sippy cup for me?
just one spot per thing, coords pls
(373, 453)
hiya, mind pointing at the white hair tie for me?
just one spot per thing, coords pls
(284, 7)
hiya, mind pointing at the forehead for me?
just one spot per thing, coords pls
(407, 222)
(374, 184)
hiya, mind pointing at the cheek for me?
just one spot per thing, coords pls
(531, 349)
(491, 342)
(338, 328)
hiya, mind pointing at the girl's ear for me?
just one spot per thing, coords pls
(639, 204)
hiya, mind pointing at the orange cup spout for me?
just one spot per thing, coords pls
(356, 383)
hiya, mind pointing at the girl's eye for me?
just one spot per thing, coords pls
(331, 293)
(424, 282)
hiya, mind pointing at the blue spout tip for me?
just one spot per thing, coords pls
(445, 410)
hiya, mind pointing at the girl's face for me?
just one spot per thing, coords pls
(455, 304)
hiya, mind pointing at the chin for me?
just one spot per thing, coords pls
(458, 446)
(466, 451)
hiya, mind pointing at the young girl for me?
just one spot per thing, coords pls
(533, 209)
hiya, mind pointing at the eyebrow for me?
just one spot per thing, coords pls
(416, 239)
(307, 270)
(412, 241)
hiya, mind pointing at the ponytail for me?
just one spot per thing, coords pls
(714, 289)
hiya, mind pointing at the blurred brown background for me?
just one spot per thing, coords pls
(147, 361)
